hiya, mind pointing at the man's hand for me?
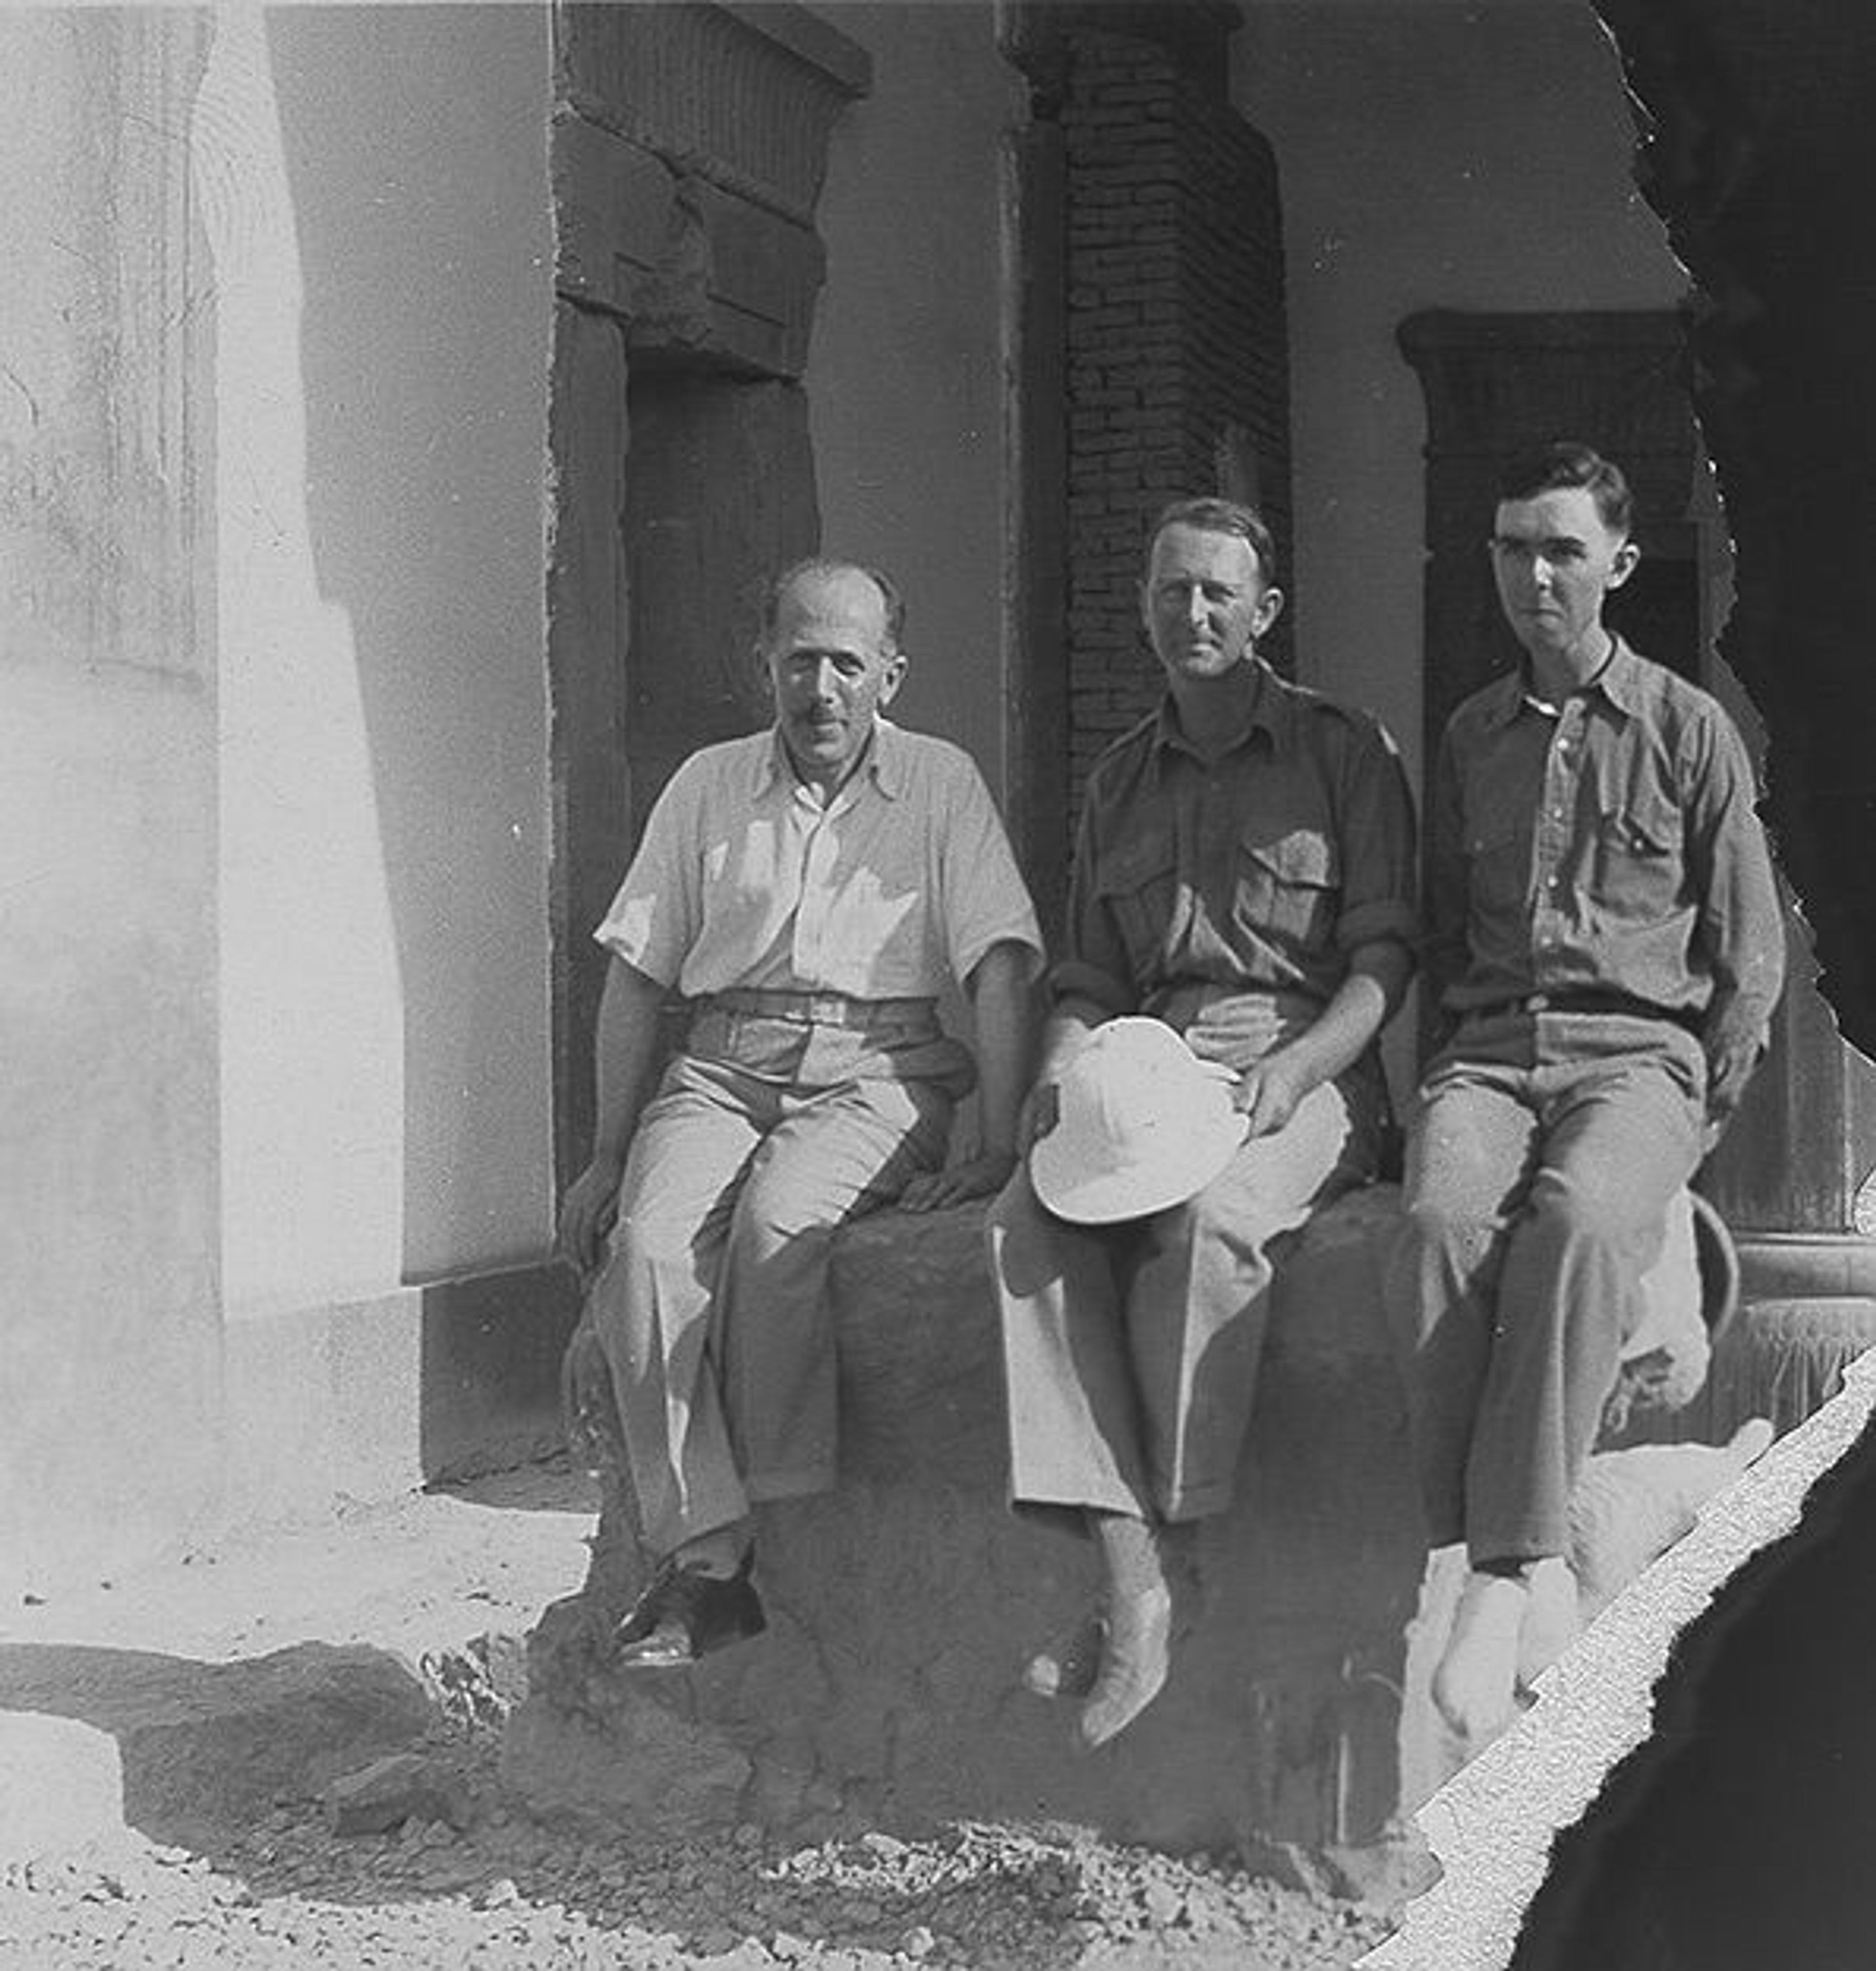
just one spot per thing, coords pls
(981, 1176)
(587, 1212)
(1040, 1112)
(1269, 1092)
(985, 1173)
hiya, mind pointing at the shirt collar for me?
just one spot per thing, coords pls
(884, 760)
(1619, 681)
(1272, 712)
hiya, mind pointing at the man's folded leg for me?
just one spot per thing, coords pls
(1197, 1303)
(650, 1305)
(1618, 1144)
(834, 1155)
(1074, 1435)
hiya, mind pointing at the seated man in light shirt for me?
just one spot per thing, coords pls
(810, 889)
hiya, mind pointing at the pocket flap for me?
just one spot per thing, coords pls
(1643, 830)
(1496, 831)
(1303, 856)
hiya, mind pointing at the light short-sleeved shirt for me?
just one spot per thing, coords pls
(1265, 868)
(1606, 845)
(903, 882)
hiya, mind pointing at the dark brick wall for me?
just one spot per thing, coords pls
(1177, 375)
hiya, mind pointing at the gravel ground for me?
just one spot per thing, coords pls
(509, 1892)
(507, 1889)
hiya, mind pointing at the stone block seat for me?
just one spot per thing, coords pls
(903, 1607)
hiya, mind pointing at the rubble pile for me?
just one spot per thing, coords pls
(467, 1878)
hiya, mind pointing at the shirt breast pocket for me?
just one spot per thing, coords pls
(1497, 840)
(1638, 870)
(1289, 884)
(1138, 888)
(1498, 870)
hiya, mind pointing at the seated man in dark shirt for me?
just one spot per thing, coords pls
(1605, 938)
(1245, 873)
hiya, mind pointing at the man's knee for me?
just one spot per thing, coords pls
(644, 1239)
(1219, 1211)
(1575, 1208)
(781, 1205)
(1442, 1223)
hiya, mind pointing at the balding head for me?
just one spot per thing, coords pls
(830, 638)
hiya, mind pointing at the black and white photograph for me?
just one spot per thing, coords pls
(937, 977)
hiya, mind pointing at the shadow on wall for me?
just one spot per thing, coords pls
(312, 1061)
(426, 235)
(374, 184)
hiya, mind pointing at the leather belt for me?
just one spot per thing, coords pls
(1621, 1004)
(820, 1009)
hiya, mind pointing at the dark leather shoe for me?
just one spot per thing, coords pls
(685, 1614)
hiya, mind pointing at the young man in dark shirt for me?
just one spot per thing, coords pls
(1605, 941)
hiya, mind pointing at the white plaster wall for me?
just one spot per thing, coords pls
(109, 1413)
(1432, 153)
(382, 386)
(905, 372)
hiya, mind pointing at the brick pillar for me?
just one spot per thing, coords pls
(1177, 365)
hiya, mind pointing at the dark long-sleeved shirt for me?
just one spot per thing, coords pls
(1607, 846)
(1265, 868)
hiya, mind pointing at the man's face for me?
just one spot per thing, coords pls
(831, 670)
(1205, 602)
(1554, 557)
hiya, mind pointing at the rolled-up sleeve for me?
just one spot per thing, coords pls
(1741, 925)
(1375, 819)
(986, 902)
(657, 915)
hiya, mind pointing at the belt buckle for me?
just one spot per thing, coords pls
(1538, 1003)
(827, 1009)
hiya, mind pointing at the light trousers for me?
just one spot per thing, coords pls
(1130, 1352)
(1539, 1170)
(711, 1306)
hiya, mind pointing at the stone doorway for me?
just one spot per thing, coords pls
(719, 492)
(688, 147)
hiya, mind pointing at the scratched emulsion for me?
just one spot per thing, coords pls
(1492, 1824)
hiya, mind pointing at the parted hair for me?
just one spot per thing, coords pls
(1213, 514)
(1548, 468)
